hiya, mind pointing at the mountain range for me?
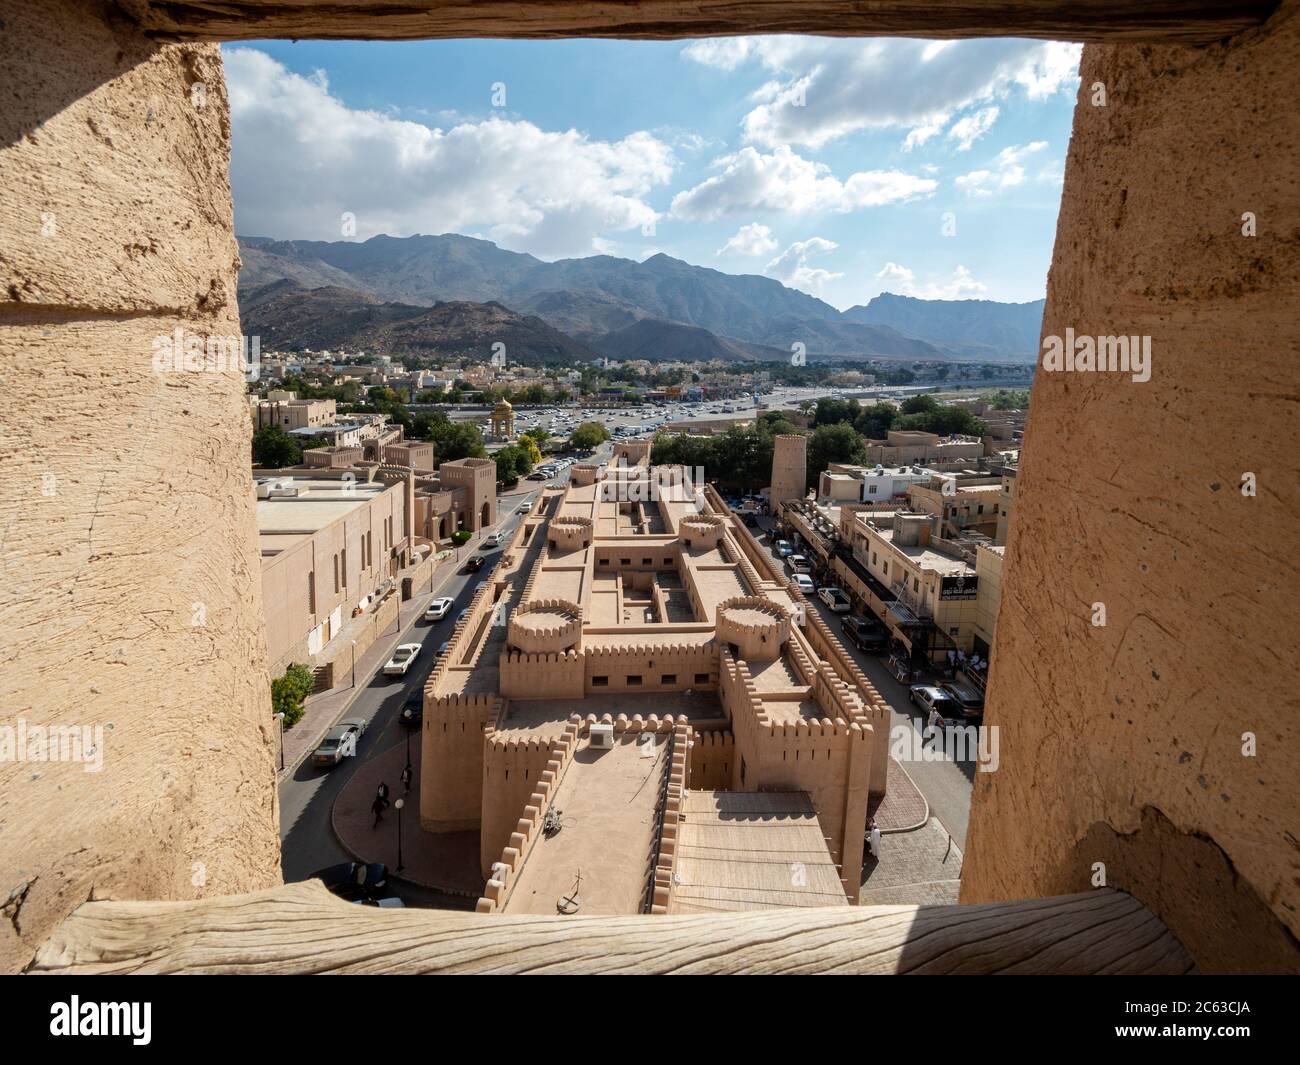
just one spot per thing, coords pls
(417, 294)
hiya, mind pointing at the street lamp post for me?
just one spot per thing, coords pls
(280, 718)
(399, 804)
(354, 663)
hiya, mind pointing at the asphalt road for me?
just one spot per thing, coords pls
(307, 796)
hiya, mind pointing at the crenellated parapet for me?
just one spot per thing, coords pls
(699, 532)
(670, 818)
(528, 828)
(545, 626)
(570, 532)
(755, 626)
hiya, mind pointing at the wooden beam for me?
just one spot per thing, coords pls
(301, 928)
(1149, 21)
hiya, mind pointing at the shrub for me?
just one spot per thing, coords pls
(460, 536)
(289, 691)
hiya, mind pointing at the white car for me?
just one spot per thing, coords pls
(835, 599)
(524, 508)
(401, 661)
(437, 610)
(805, 583)
(492, 540)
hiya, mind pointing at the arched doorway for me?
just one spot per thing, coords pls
(486, 519)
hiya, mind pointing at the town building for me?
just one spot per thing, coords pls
(910, 447)
(846, 483)
(331, 543)
(286, 410)
(639, 696)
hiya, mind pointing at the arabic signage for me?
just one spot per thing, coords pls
(962, 586)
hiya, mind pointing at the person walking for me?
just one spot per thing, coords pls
(875, 840)
(377, 808)
(407, 774)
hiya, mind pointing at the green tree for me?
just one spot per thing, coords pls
(289, 691)
(275, 449)
(512, 462)
(875, 421)
(588, 436)
(834, 443)
(458, 440)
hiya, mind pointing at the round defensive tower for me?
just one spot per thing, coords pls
(545, 626)
(757, 627)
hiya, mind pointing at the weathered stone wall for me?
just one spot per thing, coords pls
(1123, 744)
(130, 596)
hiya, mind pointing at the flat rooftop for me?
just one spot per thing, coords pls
(319, 502)
(608, 804)
(752, 851)
(928, 558)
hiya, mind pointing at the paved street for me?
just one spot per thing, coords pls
(946, 785)
(307, 794)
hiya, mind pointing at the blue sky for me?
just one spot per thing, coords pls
(840, 167)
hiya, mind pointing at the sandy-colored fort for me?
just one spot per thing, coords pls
(639, 668)
(126, 499)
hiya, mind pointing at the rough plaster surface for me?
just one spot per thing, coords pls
(130, 594)
(1123, 744)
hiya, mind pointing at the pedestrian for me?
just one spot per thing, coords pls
(406, 777)
(382, 793)
(377, 808)
(875, 840)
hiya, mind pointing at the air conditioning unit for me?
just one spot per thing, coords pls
(601, 736)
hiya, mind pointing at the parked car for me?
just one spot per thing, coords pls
(538, 475)
(437, 610)
(835, 599)
(412, 710)
(866, 634)
(527, 505)
(750, 520)
(493, 540)
(805, 583)
(355, 881)
(784, 549)
(967, 696)
(799, 564)
(340, 742)
(940, 708)
(405, 654)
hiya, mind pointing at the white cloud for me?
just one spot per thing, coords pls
(966, 131)
(901, 280)
(920, 134)
(752, 239)
(1005, 172)
(783, 181)
(824, 88)
(791, 266)
(722, 53)
(302, 157)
